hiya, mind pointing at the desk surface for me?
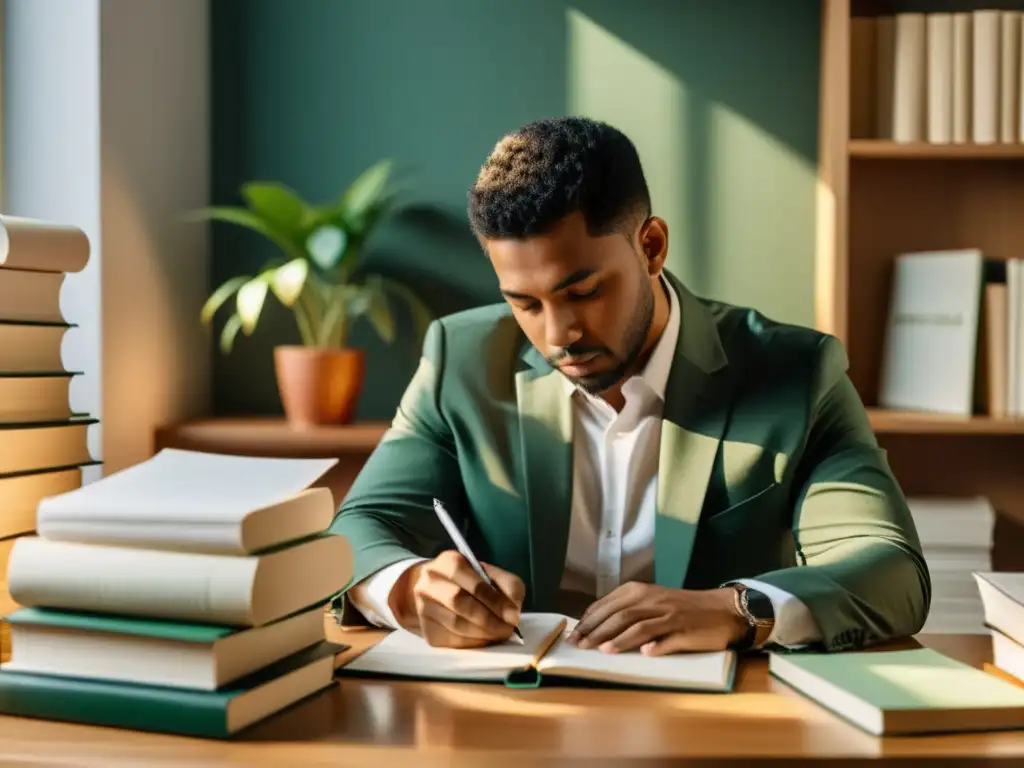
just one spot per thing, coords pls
(359, 722)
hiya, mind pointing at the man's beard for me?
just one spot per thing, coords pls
(636, 336)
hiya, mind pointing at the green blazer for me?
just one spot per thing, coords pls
(768, 469)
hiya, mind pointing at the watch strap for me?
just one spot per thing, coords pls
(757, 609)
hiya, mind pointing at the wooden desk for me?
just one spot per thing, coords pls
(391, 723)
(268, 436)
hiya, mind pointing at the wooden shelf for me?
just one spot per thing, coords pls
(913, 423)
(889, 149)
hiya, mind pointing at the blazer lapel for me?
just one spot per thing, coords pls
(697, 405)
(546, 432)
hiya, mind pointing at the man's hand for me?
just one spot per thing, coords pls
(659, 620)
(446, 602)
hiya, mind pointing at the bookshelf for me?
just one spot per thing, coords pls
(877, 198)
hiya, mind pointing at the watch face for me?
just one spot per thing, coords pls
(760, 606)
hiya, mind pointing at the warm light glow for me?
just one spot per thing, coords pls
(610, 80)
(498, 701)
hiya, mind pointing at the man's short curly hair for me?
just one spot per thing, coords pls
(549, 169)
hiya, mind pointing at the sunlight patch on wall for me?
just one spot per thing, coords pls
(610, 80)
(758, 233)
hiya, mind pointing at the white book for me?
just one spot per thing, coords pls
(543, 654)
(986, 90)
(909, 78)
(147, 652)
(236, 590)
(962, 80)
(197, 502)
(1002, 595)
(932, 332)
(952, 521)
(940, 78)
(1009, 76)
(41, 245)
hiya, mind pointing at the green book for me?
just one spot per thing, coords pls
(903, 692)
(152, 651)
(211, 714)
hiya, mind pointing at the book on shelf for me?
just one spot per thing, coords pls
(543, 654)
(954, 335)
(186, 594)
(939, 77)
(931, 332)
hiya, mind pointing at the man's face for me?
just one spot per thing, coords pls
(586, 303)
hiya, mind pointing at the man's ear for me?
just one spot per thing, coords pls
(654, 244)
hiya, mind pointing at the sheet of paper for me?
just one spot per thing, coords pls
(405, 653)
(186, 486)
(687, 670)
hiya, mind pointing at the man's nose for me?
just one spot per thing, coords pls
(562, 328)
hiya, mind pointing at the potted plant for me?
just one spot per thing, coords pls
(320, 277)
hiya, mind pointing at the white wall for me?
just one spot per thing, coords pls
(106, 126)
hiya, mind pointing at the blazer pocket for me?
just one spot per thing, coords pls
(738, 513)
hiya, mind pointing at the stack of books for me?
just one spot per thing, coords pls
(185, 594)
(43, 445)
(956, 539)
(1002, 594)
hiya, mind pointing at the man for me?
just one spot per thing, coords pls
(699, 476)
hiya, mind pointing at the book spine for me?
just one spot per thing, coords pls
(163, 710)
(986, 90)
(940, 78)
(909, 78)
(962, 62)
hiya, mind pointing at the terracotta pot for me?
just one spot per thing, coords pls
(319, 386)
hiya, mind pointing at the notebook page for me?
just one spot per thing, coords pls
(185, 487)
(698, 671)
(406, 653)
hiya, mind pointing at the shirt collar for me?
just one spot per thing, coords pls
(655, 373)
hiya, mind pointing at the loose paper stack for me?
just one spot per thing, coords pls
(184, 594)
(956, 537)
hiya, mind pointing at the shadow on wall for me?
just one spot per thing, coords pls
(721, 99)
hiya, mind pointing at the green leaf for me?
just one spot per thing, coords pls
(276, 204)
(229, 332)
(218, 297)
(246, 218)
(379, 312)
(288, 281)
(249, 302)
(326, 245)
(364, 191)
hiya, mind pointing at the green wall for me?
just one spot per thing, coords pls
(721, 98)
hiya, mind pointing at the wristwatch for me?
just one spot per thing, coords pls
(757, 609)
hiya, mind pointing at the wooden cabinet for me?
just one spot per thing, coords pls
(878, 198)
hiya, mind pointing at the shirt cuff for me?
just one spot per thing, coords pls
(370, 596)
(794, 627)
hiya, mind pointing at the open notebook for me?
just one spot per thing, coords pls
(543, 654)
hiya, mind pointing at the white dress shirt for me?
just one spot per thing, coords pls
(615, 479)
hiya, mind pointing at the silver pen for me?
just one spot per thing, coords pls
(464, 550)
